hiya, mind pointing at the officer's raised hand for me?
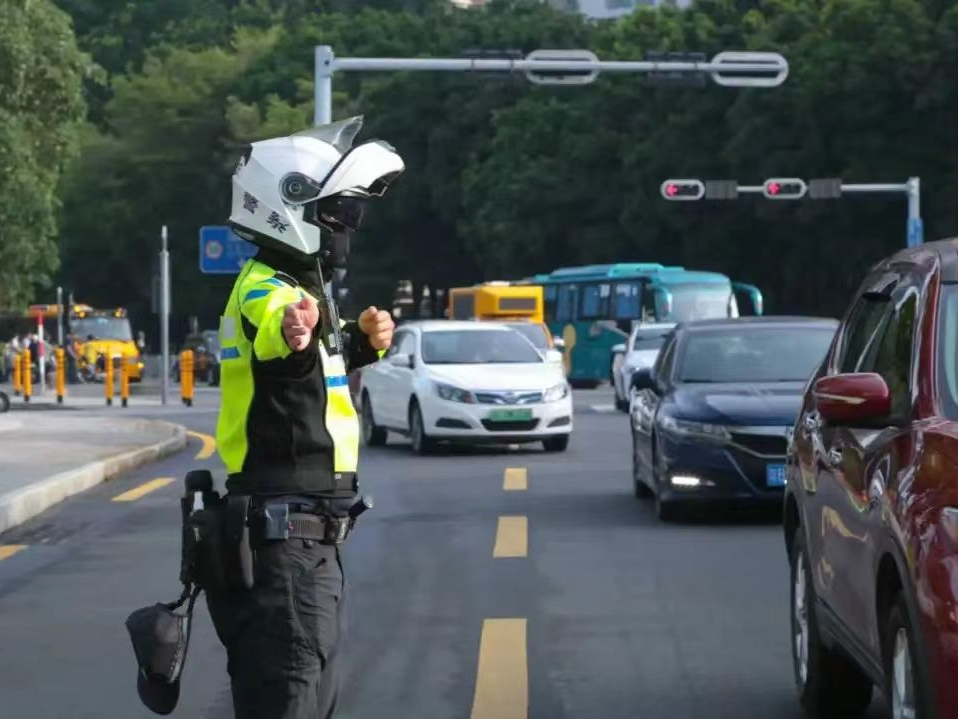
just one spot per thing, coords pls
(298, 323)
(378, 326)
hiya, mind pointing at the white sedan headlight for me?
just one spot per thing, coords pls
(454, 394)
(554, 394)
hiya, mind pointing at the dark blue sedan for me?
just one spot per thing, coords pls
(712, 418)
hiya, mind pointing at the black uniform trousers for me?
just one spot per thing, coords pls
(285, 638)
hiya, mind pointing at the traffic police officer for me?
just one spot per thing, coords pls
(288, 432)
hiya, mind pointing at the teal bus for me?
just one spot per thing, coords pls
(593, 308)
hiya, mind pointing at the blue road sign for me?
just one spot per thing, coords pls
(915, 231)
(222, 251)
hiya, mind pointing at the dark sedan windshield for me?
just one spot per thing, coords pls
(477, 347)
(753, 354)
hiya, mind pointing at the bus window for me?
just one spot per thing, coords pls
(627, 305)
(463, 306)
(565, 308)
(595, 302)
(551, 293)
(517, 304)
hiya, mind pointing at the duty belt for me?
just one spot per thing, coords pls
(280, 523)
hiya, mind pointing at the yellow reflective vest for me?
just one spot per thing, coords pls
(287, 424)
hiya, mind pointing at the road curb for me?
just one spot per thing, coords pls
(18, 506)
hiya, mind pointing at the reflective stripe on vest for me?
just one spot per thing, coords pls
(342, 423)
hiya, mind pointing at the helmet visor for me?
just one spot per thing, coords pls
(340, 212)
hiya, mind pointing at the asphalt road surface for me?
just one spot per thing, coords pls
(496, 584)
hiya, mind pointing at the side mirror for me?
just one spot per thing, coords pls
(852, 398)
(403, 360)
(642, 379)
(558, 343)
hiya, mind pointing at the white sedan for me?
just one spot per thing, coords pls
(641, 350)
(468, 382)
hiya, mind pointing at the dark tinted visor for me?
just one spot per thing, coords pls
(341, 212)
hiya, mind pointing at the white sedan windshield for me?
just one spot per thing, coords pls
(477, 347)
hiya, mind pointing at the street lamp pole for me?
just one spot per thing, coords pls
(550, 67)
(164, 316)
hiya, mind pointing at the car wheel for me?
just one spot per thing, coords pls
(421, 442)
(642, 490)
(373, 434)
(621, 404)
(829, 685)
(559, 443)
(4, 402)
(905, 685)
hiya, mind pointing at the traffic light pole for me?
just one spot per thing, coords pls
(791, 188)
(546, 67)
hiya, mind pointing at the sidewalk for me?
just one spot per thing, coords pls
(46, 457)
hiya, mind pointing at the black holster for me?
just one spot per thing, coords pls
(216, 554)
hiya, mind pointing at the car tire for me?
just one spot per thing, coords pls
(906, 688)
(373, 434)
(422, 443)
(559, 443)
(829, 685)
(622, 404)
(4, 402)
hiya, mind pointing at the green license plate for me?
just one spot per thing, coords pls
(510, 415)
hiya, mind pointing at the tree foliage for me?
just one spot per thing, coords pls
(41, 109)
(504, 178)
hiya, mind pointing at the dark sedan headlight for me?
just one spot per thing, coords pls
(690, 429)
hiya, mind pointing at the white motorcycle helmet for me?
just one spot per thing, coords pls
(286, 190)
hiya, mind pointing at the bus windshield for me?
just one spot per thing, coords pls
(102, 328)
(698, 302)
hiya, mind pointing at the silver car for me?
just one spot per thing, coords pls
(640, 350)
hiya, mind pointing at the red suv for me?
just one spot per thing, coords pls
(871, 503)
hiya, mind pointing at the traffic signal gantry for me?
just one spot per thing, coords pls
(794, 188)
(558, 67)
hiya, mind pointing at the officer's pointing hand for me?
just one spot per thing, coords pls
(378, 325)
(298, 323)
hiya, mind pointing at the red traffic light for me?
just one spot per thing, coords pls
(790, 188)
(683, 189)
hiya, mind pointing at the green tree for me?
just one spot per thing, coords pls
(41, 110)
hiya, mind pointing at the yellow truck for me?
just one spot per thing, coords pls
(105, 335)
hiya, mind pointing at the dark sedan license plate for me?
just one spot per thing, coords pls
(510, 415)
(775, 475)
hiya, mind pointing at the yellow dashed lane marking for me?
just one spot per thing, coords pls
(8, 550)
(209, 445)
(143, 489)
(516, 479)
(512, 538)
(502, 681)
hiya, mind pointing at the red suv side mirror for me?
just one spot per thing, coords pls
(852, 398)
